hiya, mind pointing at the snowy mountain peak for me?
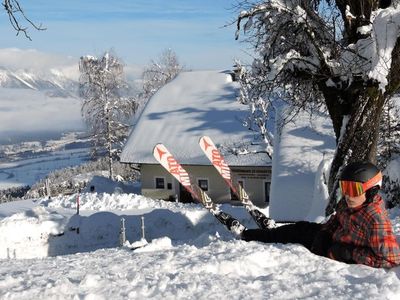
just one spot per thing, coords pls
(55, 75)
(34, 70)
(52, 81)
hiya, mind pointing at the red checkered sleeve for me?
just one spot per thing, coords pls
(383, 250)
(367, 231)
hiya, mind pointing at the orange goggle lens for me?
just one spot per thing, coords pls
(355, 189)
(351, 188)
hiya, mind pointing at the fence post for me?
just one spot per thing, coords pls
(122, 236)
(143, 237)
(77, 202)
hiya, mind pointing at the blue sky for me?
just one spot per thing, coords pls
(138, 31)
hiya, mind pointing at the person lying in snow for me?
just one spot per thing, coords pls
(359, 232)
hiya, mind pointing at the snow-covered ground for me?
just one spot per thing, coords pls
(47, 251)
(189, 255)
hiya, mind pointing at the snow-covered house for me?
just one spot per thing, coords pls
(194, 104)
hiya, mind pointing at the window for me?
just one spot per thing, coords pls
(160, 183)
(203, 184)
(267, 188)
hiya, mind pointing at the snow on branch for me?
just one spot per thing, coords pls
(342, 57)
(386, 30)
(107, 105)
(294, 40)
(288, 38)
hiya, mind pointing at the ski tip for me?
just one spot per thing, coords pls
(205, 137)
(156, 146)
(159, 150)
(205, 142)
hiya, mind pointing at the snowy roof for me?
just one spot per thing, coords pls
(194, 104)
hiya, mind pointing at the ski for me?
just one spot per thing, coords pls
(168, 161)
(218, 161)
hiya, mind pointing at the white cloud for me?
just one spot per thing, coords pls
(14, 58)
(27, 110)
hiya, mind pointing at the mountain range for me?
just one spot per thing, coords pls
(55, 75)
(53, 82)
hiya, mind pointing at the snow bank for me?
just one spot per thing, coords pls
(320, 194)
(301, 148)
(186, 254)
(27, 234)
(386, 24)
(221, 269)
(50, 227)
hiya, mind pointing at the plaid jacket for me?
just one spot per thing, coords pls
(368, 229)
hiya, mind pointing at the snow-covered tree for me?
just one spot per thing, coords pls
(342, 56)
(159, 72)
(259, 109)
(389, 133)
(17, 17)
(389, 150)
(107, 106)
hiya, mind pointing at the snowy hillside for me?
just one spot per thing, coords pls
(25, 163)
(188, 255)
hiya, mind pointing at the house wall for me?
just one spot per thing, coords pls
(252, 177)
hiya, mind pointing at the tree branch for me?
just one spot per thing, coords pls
(14, 9)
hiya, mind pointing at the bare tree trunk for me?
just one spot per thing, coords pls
(356, 128)
(110, 160)
(109, 143)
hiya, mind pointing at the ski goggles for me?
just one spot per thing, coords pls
(355, 189)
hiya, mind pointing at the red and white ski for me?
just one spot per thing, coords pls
(167, 160)
(218, 161)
